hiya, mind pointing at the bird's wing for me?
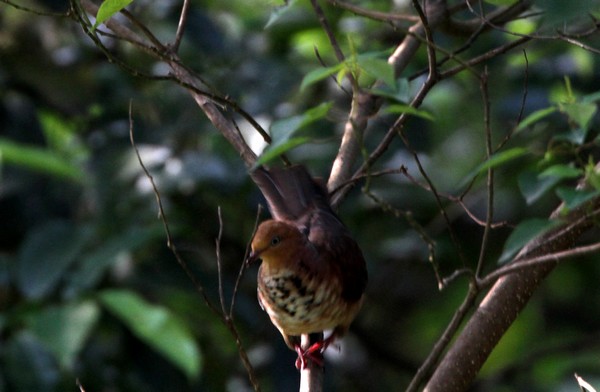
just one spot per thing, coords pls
(338, 250)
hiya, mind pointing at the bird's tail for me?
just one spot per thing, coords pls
(290, 192)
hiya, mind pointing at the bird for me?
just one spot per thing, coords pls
(313, 275)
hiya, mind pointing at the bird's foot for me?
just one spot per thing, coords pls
(314, 353)
(304, 356)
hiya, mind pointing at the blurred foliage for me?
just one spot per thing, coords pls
(89, 290)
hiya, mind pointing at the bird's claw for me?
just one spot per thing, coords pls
(313, 354)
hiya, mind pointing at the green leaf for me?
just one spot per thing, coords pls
(40, 160)
(535, 117)
(319, 74)
(282, 131)
(61, 136)
(581, 113)
(92, 265)
(157, 327)
(64, 329)
(400, 109)
(400, 93)
(562, 171)
(593, 97)
(279, 12)
(522, 234)
(533, 187)
(108, 8)
(574, 198)
(502, 158)
(27, 365)
(274, 151)
(592, 174)
(378, 68)
(46, 254)
(496, 160)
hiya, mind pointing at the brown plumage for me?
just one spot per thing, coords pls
(313, 274)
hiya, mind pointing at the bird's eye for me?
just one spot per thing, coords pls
(275, 240)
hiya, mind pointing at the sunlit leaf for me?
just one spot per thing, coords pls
(319, 74)
(400, 109)
(274, 151)
(278, 12)
(157, 327)
(64, 329)
(581, 113)
(61, 135)
(497, 160)
(282, 132)
(39, 159)
(502, 158)
(108, 8)
(522, 234)
(562, 171)
(378, 69)
(534, 117)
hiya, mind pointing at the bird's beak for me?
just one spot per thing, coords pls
(254, 255)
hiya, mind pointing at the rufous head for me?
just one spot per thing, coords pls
(275, 242)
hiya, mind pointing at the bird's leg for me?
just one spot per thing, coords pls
(320, 346)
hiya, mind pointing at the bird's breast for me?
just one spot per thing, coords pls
(300, 303)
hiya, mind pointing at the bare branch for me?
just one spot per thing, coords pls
(227, 320)
(375, 15)
(181, 26)
(490, 172)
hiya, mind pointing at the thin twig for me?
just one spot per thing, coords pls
(244, 263)
(218, 254)
(408, 216)
(65, 14)
(375, 15)
(490, 172)
(163, 217)
(327, 28)
(492, 277)
(522, 106)
(181, 26)
(197, 285)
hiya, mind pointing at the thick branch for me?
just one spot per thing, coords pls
(504, 302)
(365, 105)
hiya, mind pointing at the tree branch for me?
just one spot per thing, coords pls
(509, 295)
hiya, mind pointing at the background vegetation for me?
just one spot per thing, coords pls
(90, 291)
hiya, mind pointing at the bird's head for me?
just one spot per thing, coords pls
(275, 242)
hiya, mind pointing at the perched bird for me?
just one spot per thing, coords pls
(313, 274)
